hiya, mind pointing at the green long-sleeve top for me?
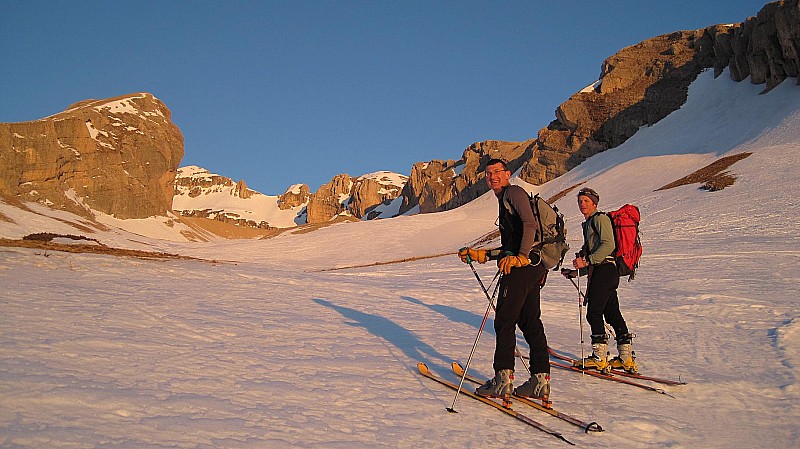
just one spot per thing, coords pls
(598, 247)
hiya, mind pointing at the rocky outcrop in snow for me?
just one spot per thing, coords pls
(638, 86)
(116, 156)
(202, 194)
(296, 195)
(356, 197)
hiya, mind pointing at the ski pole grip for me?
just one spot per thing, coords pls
(469, 259)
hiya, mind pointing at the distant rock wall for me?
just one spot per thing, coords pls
(294, 196)
(441, 185)
(638, 86)
(355, 197)
(117, 156)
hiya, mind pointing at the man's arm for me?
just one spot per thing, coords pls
(519, 200)
(604, 238)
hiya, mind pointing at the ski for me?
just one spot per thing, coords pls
(423, 369)
(607, 376)
(617, 372)
(586, 426)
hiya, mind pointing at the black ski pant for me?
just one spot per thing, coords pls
(519, 305)
(603, 301)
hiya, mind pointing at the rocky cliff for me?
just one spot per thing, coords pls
(115, 156)
(119, 156)
(356, 197)
(201, 194)
(638, 86)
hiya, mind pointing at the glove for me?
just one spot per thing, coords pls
(569, 274)
(507, 263)
(467, 255)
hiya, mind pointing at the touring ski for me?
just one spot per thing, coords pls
(586, 426)
(619, 372)
(423, 369)
(607, 376)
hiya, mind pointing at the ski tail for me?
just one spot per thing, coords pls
(423, 369)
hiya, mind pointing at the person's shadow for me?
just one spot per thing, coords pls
(456, 315)
(389, 331)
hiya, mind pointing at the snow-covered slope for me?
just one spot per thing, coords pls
(269, 351)
(197, 189)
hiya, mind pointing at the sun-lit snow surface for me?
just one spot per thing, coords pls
(221, 199)
(100, 351)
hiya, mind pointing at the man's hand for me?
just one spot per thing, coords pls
(569, 274)
(507, 263)
(467, 255)
(580, 262)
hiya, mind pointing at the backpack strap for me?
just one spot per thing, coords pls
(593, 224)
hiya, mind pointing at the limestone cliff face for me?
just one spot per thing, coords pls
(116, 156)
(294, 196)
(372, 190)
(355, 197)
(330, 199)
(638, 86)
(441, 185)
(765, 47)
(644, 83)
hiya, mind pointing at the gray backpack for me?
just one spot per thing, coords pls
(553, 245)
(551, 235)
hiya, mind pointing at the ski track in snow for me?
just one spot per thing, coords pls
(100, 351)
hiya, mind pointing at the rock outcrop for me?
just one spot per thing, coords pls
(441, 185)
(202, 194)
(356, 197)
(330, 199)
(296, 195)
(638, 86)
(374, 189)
(116, 156)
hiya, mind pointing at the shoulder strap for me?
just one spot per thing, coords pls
(593, 223)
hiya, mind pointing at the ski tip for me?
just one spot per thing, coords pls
(423, 368)
(594, 427)
(457, 368)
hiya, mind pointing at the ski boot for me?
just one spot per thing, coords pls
(626, 360)
(599, 358)
(500, 386)
(537, 387)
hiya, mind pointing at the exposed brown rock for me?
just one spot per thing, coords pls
(714, 176)
(115, 156)
(440, 185)
(294, 196)
(638, 86)
(329, 200)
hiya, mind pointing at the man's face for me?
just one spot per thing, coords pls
(497, 177)
(586, 205)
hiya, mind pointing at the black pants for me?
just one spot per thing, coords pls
(603, 300)
(519, 305)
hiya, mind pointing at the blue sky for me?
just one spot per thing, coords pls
(285, 92)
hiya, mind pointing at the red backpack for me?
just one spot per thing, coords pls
(628, 245)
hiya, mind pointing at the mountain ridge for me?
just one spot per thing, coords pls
(119, 157)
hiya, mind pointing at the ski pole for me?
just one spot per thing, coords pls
(452, 408)
(580, 294)
(486, 292)
(581, 299)
(490, 298)
(608, 327)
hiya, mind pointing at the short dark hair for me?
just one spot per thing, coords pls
(495, 161)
